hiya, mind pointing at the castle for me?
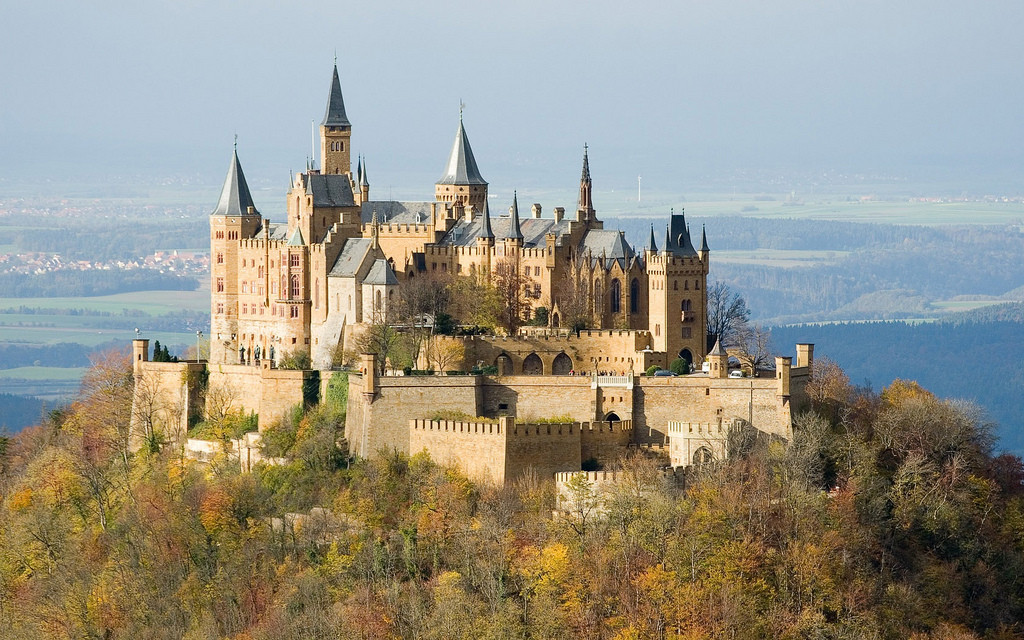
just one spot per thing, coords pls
(339, 264)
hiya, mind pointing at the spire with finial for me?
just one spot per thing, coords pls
(514, 232)
(703, 240)
(363, 180)
(651, 244)
(374, 231)
(235, 199)
(586, 200)
(335, 115)
(485, 223)
(461, 168)
(668, 240)
(359, 169)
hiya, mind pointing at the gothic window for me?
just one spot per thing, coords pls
(615, 295)
(675, 285)
(220, 285)
(634, 296)
(696, 285)
(686, 305)
(294, 311)
(378, 302)
(686, 285)
(261, 271)
(220, 258)
(295, 287)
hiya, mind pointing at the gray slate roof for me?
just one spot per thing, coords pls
(350, 257)
(679, 237)
(275, 231)
(381, 273)
(607, 243)
(235, 199)
(534, 231)
(331, 190)
(461, 168)
(296, 239)
(392, 211)
(335, 115)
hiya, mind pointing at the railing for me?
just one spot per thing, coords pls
(618, 382)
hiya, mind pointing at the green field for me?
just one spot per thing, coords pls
(152, 302)
(780, 257)
(43, 373)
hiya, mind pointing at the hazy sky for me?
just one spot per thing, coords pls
(675, 91)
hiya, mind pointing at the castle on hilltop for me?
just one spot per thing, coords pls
(341, 257)
(557, 397)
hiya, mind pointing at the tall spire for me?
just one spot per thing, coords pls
(651, 244)
(363, 180)
(586, 200)
(235, 198)
(485, 223)
(375, 231)
(514, 232)
(335, 114)
(703, 239)
(668, 240)
(461, 168)
(359, 170)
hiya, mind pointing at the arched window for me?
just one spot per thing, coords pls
(378, 301)
(597, 293)
(675, 285)
(686, 305)
(615, 295)
(634, 296)
(295, 287)
(696, 285)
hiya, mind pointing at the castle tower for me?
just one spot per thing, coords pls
(677, 296)
(364, 183)
(335, 132)
(514, 236)
(462, 182)
(234, 219)
(585, 207)
(719, 362)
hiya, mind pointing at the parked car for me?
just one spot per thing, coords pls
(664, 373)
(736, 374)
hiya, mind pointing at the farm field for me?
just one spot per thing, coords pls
(151, 302)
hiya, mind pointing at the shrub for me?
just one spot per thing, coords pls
(298, 359)
(679, 367)
(651, 369)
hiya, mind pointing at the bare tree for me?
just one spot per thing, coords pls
(443, 353)
(754, 345)
(727, 313)
(572, 295)
(512, 285)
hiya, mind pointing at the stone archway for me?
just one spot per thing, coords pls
(533, 366)
(612, 417)
(504, 365)
(561, 365)
(703, 456)
(554, 320)
(687, 355)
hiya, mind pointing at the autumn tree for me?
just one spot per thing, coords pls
(514, 287)
(573, 296)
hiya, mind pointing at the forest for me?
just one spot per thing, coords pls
(887, 516)
(974, 355)
(94, 282)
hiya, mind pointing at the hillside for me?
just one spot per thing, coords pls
(885, 517)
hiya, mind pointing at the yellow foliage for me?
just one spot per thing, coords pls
(21, 499)
(902, 390)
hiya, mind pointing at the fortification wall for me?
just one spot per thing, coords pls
(708, 400)
(270, 393)
(532, 397)
(544, 448)
(395, 400)
(605, 442)
(687, 438)
(477, 448)
(610, 351)
(167, 396)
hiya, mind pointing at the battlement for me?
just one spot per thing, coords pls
(678, 428)
(459, 426)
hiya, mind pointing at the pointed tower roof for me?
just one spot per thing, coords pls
(359, 170)
(235, 199)
(651, 244)
(703, 239)
(485, 222)
(335, 114)
(718, 350)
(296, 239)
(363, 181)
(668, 240)
(514, 232)
(586, 165)
(461, 167)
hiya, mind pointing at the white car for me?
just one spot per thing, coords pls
(736, 374)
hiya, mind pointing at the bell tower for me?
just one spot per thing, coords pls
(335, 132)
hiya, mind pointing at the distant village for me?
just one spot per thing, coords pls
(183, 263)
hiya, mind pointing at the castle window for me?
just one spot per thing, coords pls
(687, 333)
(261, 310)
(686, 305)
(536, 290)
(686, 285)
(657, 330)
(295, 287)
(696, 285)
(220, 258)
(675, 285)
(293, 260)
(261, 289)
(615, 296)
(245, 287)
(261, 271)
(220, 285)
(526, 271)
(378, 302)
(536, 271)
(294, 312)
(220, 307)
(634, 296)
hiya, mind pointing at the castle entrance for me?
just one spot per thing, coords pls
(612, 417)
(685, 354)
